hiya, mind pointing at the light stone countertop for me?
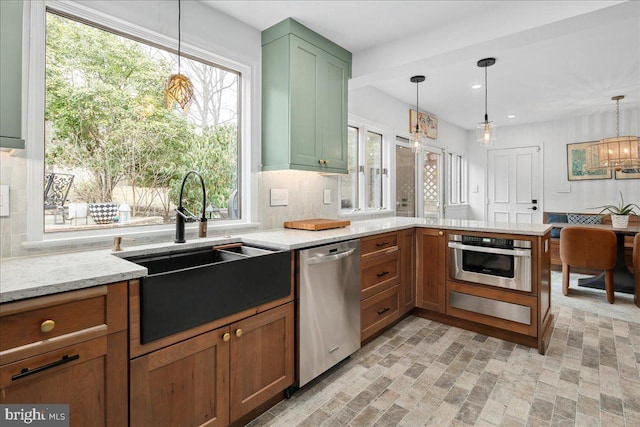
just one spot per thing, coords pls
(28, 277)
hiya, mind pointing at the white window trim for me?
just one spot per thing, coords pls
(464, 188)
(388, 142)
(34, 34)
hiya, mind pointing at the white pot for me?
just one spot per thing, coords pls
(619, 221)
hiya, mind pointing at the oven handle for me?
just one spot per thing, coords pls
(484, 249)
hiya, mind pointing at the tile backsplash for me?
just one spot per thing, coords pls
(306, 196)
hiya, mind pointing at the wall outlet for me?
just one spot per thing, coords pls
(4, 200)
(327, 196)
(279, 196)
(564, 189)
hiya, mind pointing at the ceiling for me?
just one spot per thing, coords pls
(554, 59)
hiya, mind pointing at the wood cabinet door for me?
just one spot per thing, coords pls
(75, 375)
(407, 270)
(186, 384)
(431, 274)
(262, 358)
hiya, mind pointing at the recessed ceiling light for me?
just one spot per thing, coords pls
(511, 116)
(476, 86)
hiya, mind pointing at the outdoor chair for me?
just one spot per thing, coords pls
(56, 189)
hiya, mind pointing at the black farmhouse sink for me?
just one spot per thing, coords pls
(189, 288)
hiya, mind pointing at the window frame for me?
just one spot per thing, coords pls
(457, 191)
(34, 61)
(363, 126)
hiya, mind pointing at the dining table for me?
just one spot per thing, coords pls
(623, 279)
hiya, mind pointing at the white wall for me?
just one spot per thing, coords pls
(381, 108)
(554, 137)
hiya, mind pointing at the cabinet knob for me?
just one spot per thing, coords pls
(226, 337)
(440, 233)
(326, 162)
(320, 161)
(238, 332)
(47, 326)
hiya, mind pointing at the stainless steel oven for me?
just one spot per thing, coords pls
(505, 263)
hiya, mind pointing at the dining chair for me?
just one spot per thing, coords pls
(636, 267)
(588, 248)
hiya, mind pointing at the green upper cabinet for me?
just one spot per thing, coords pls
(11, 74)
(304, 100)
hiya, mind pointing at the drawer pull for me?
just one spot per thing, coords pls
(26, 371)
(226, 337)
(47, 326)
(238, 332)
(382, 244)
(384, 273)
(383, 311)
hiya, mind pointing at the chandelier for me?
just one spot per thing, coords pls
(178, 87)
(619, 152)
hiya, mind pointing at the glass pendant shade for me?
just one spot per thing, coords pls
(417, 136)
(486, 133)
(486, 130)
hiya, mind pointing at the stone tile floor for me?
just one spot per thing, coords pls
(422, 372)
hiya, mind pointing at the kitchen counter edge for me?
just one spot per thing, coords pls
(29, 277)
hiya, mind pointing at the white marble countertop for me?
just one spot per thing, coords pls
(28, 277)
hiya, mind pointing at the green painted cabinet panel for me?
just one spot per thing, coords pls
(304, 102)
(11, 74)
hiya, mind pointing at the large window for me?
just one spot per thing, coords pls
(364, 187)
(115, 155)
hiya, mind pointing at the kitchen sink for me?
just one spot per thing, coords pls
(184, 289)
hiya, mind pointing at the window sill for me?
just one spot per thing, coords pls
(366, 214)
(89, 240)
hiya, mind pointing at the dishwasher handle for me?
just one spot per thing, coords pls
(318, 259)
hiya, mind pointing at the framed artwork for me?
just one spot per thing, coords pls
(427, 124)
(628, 174)
(577, 164)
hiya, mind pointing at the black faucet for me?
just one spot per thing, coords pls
(184, 215)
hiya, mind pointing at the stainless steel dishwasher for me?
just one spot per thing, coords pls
(329, 307)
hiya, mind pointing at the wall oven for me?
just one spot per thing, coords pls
(504, 263)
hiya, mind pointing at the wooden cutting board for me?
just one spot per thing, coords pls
(316, 224)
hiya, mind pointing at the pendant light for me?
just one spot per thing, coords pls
(178, 87)
(417, 137)
(486, 130)
(618, 152)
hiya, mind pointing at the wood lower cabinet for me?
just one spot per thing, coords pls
(262, 358)
(68, 348)
(431, 274)
(407, 246)
(186, 384)
(380, 270)
(217, 377)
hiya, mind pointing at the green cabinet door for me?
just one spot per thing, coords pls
(334, 115)
(11, 74)
(307, 63)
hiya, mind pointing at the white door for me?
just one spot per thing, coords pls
(514, 185)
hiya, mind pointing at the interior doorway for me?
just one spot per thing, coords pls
(514, 187)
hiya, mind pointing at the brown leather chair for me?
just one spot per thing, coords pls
(636, 266)
(588, 248)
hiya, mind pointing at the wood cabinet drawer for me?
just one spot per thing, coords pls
(379, 311)
(378, 244)
(379, 273)
(31, 321)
